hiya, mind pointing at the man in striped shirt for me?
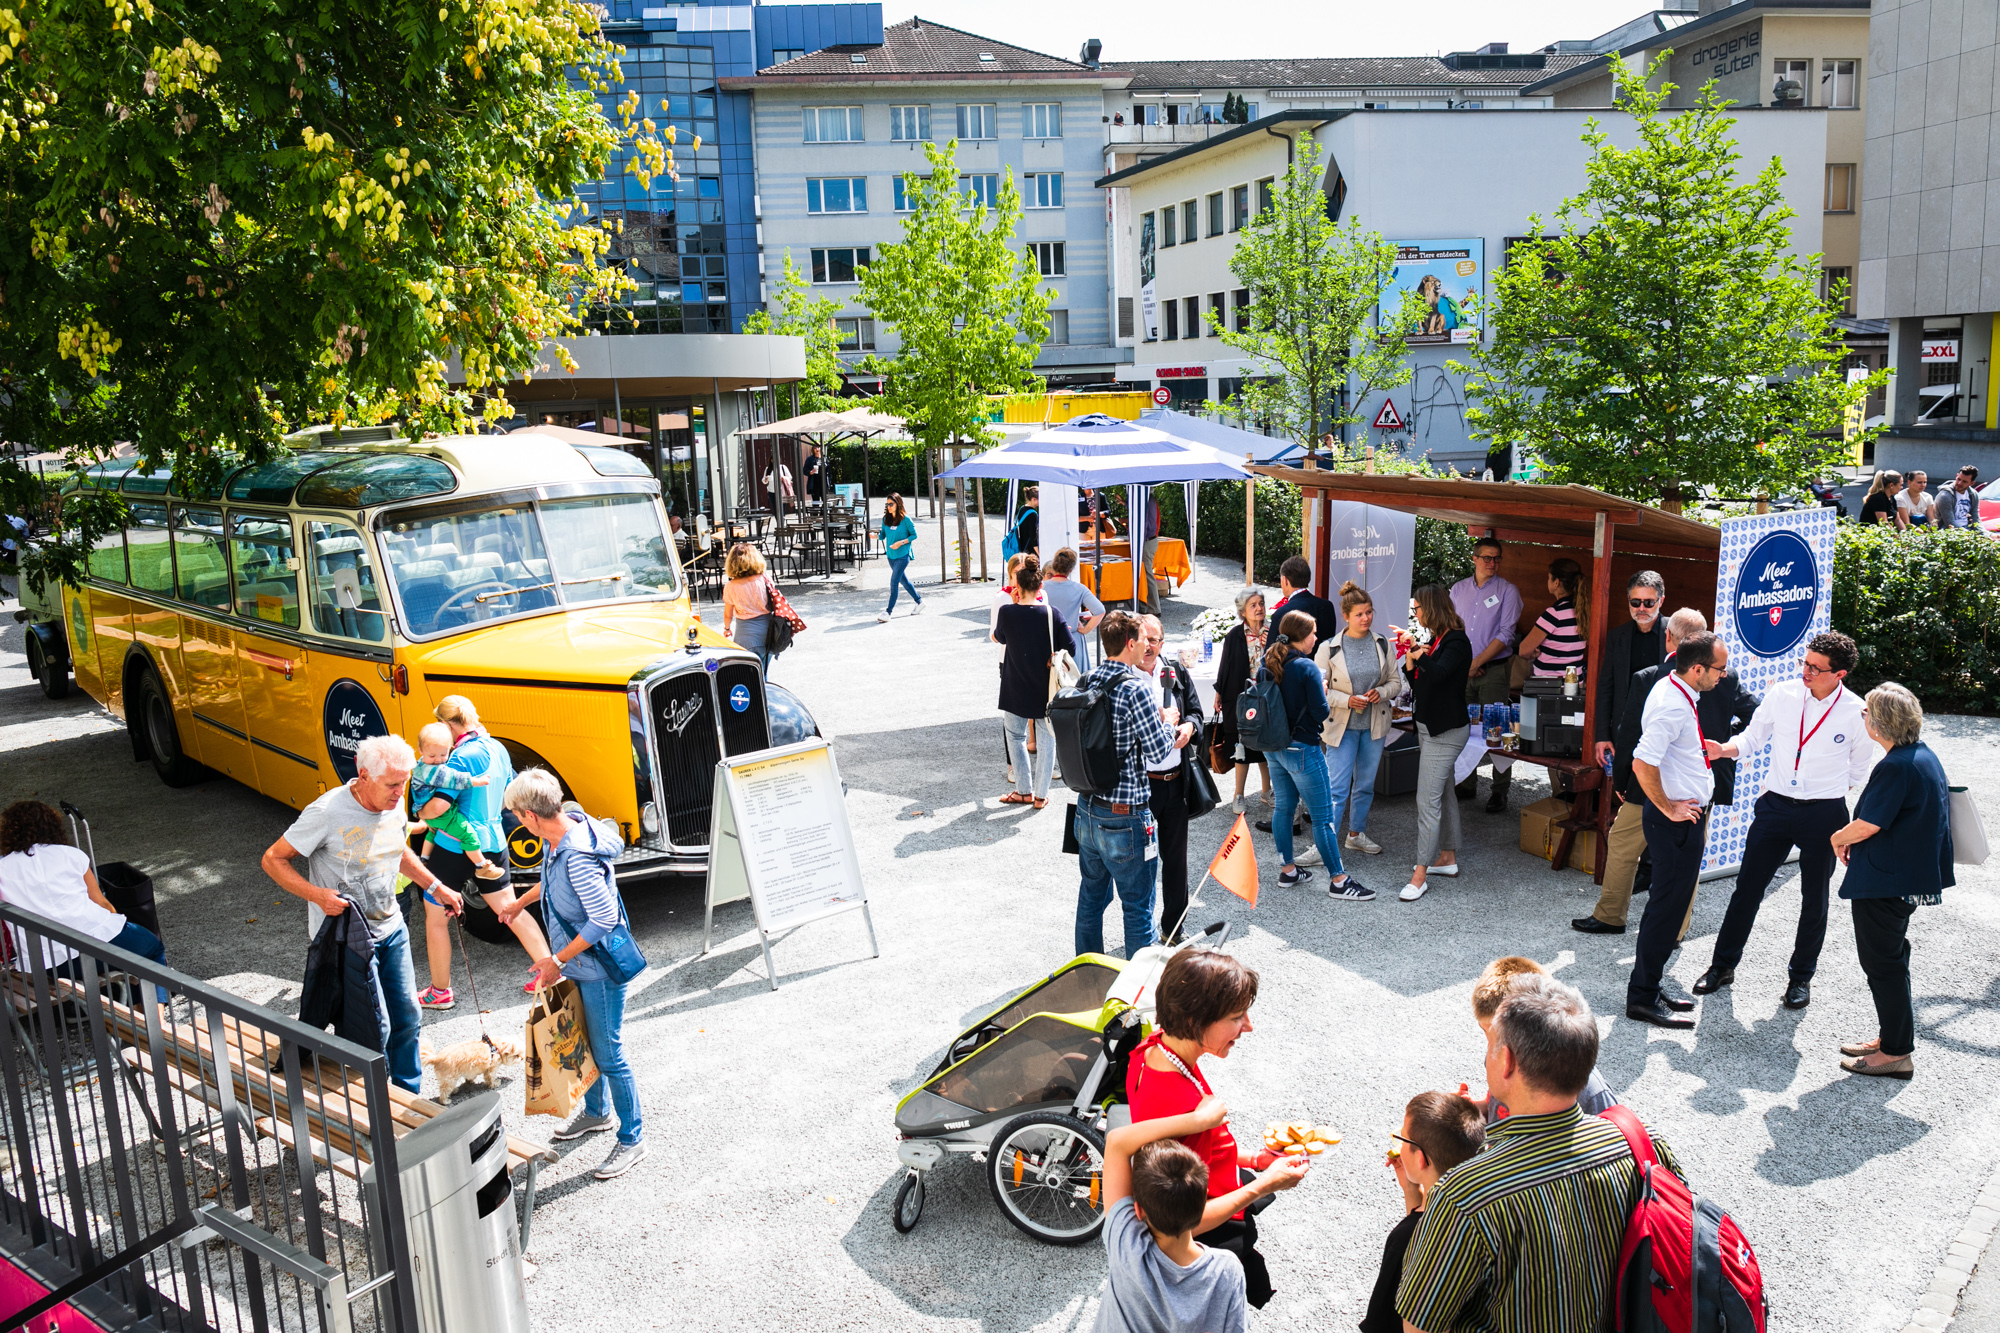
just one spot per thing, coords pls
(1524, 1237)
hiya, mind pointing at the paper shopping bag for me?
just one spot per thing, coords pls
(559, 1067)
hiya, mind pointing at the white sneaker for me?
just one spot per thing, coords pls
(1360, 842)
(624, 1156)
(917, 610)
(1236, 806)
(1308, 857)
(882, 619)
(1413, 891)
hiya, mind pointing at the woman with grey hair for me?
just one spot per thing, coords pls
(581, 907)
(1242, 648)
(1898, 857)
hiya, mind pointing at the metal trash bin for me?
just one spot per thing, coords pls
(458, 1207)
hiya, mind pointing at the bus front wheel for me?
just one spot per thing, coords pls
(163, 738)
(50, 672)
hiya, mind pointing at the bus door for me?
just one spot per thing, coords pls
(273, 671)
(350, 665)
(212, 700)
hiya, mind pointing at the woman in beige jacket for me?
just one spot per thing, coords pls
(1364, 678)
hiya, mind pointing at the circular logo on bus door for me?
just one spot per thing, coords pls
(739, 698)
(1777, 591)
(352, 716)
(524, 849)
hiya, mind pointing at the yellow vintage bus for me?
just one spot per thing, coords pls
(260, 629)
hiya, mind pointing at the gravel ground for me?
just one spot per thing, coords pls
(769, 1115)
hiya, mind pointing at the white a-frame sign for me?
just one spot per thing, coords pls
(778, 835)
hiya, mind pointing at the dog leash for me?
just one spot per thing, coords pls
(459, 928)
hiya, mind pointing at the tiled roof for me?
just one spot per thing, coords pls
(1331, 72)
(919, 47)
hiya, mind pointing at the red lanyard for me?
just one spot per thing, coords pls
(1703, 740)
(1805, 735)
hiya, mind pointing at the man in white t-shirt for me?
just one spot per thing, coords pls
(353, 842)
(1819, 752)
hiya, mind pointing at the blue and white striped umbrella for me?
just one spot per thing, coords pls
(1100, 451)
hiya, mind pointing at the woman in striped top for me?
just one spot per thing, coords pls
(1562, 633)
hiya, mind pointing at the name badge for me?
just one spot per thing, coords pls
(1494, 600)
(1152, 841)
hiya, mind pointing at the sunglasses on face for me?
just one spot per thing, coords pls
(1641, 604)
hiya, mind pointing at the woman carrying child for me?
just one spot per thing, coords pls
(1203, 1007)
(477, 767)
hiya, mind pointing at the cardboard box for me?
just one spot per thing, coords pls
(1539, 834)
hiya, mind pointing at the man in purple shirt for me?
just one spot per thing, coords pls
(1491, 609)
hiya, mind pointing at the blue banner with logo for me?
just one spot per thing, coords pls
(1773, 592)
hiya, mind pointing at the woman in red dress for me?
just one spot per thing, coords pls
(1203, 1009)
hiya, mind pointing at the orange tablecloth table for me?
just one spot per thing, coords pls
(1170, 561)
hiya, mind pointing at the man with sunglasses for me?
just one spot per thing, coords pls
(1819, 751)
(1630, 648)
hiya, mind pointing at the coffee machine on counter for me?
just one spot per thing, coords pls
(1552, 715)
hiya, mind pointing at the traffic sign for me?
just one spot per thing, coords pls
(1163, 395)
(1387, 418)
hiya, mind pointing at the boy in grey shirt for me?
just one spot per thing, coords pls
(1162, 1280)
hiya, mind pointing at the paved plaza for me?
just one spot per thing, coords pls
(765, 1203)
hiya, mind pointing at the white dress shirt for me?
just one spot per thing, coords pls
(1837, 750)
(1670, 740)
(1163, 688)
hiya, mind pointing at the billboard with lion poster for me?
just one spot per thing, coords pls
(1448, 278)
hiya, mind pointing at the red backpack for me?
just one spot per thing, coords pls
(1683, 1266)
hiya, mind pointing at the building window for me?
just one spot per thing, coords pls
(1167, 217)
(1241, 297)
(1840, 187)
(1839, 281)
(1058, 328)
(779, 55)
(1041, 120)
(1266, 189)
(1218, 314)
(833, 124)
(982, 189)
(1188, 224)
(1170, 321)
(1239, 208)
(1796, 71)
(1044, 189)
(1049, 259)
(976, 121)
(1838, 86)
(839, 265)
(1125, 317)
(856, 335)
(902, 196)
(1215, 214)
(908, 123)
(837, 194)
(1191, 315)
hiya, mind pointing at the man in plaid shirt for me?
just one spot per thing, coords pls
(1114, 832)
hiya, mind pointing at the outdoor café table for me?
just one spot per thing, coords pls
(1170, 561)
(1591, 797)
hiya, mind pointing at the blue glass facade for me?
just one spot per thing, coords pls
(691, 244)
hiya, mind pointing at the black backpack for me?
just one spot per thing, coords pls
(1086, 746)
(1261, 723)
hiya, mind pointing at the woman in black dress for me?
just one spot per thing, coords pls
(1032, 633)
(1242, 647)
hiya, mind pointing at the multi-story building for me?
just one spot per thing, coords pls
(836, 131)
(1930, 232)
(1450, 188)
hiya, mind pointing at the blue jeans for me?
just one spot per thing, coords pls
(133, 938)
(617, 1085)
(899, 579)
(1350, 769)
(1031, 771)
(401, 1018)
(1301, 772)
(1111, 853)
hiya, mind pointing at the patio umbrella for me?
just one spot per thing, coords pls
(1097, 450)
(1236, 442)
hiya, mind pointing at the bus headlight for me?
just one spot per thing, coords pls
(649, 819)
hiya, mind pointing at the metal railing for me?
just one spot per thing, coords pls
(201, 1163)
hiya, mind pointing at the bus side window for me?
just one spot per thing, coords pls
(149, 551)
(346, 600)
(267, 588)
(107, 557)
(200, 567)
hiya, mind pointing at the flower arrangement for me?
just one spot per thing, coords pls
(1214, 624)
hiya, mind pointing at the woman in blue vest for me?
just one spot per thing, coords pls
(475, 754)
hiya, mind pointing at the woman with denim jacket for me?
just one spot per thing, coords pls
(581, 906)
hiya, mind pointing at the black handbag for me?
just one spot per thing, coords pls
(1198, 785)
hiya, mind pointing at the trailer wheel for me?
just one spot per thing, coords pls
(1047, 1173)
(909, 1202)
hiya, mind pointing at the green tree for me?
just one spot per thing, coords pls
(1313, 286)
(803, 315)
(964, 297)
(1663, 337)
(226, 220)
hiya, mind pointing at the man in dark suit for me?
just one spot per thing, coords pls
(1632, 646)
(1724, 710)
(1295, 582)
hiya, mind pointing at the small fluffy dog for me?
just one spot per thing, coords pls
(474, 1061)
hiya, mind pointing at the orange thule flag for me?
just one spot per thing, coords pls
(1235, 866)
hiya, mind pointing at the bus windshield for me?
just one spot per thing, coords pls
(455, 567)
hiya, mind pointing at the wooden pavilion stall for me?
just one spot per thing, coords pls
(1611, 536)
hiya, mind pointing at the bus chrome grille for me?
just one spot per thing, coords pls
(695, 722)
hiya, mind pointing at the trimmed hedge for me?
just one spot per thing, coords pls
(1924, 609)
